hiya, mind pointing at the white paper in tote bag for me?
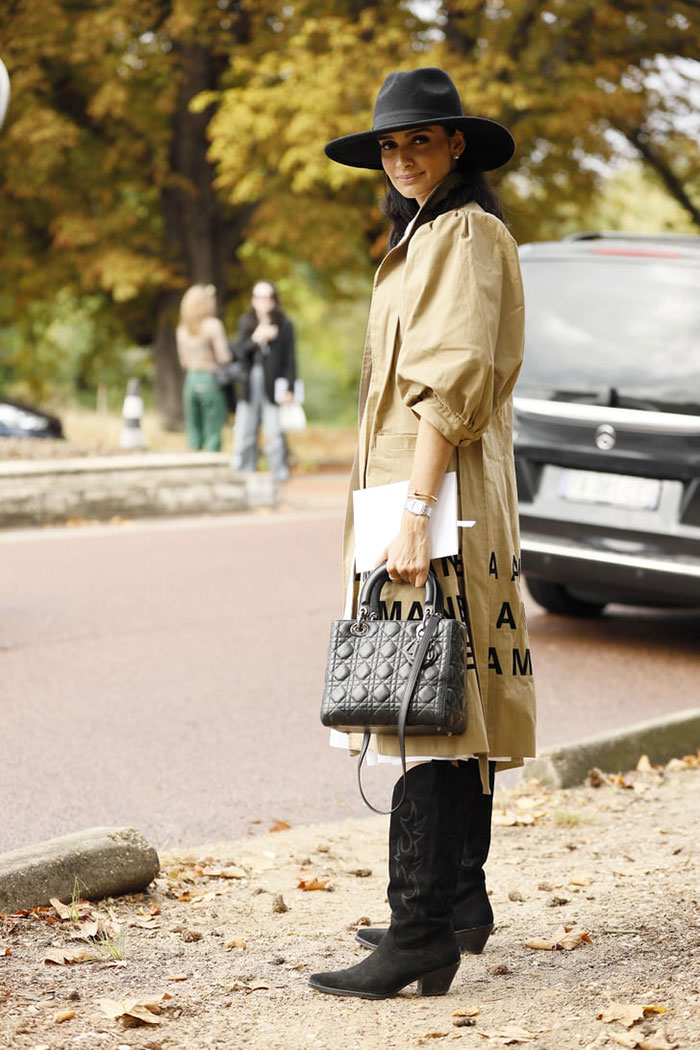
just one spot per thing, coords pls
(377, 517)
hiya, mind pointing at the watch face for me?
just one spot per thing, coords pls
(415, 506)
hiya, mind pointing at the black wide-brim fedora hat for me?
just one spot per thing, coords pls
(418, 98)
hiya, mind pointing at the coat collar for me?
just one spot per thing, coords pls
(424, 213)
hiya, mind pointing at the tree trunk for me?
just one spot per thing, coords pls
(199, 237)
(642, 141)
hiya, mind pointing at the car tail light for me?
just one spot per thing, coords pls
(647, 253)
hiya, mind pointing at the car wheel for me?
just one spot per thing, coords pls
(555, 598)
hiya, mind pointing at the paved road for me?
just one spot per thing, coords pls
(168, 675)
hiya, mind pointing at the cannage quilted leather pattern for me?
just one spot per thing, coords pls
(366, 677)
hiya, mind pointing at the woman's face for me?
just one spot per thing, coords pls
(416, 160)
(263, 299)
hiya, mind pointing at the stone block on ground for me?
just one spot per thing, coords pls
(661, 739)
(37, 492)
(106, 862)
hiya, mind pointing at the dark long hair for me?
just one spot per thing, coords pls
(250, 320)
(474, 186)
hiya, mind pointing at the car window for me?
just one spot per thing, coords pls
(613, 331)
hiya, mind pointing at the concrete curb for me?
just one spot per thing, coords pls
(42, 492)
(661, 739)
(107, 862)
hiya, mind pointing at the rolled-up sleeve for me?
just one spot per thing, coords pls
(451, 318)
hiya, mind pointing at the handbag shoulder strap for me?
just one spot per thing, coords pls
(431, 625)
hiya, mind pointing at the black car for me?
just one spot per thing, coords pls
(18, 420)
(607, 422)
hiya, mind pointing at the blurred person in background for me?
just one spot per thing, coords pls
(265, 348)
(201, 347)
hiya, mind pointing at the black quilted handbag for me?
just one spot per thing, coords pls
(395, 676)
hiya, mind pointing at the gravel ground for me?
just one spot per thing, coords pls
(223, 943)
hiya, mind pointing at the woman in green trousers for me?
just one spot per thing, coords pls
(201, 346)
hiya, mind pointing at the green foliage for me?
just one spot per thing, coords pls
(330, 337)
(633, 200)
(67, 346)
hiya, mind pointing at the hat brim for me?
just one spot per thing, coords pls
(489, 144)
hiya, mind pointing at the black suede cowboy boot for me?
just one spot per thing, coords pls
(425, 840)
(472, 916)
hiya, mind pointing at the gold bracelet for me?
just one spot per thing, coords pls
(423, 495)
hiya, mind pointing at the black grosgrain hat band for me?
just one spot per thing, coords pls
(419, 98)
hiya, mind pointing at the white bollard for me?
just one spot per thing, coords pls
(132, 414)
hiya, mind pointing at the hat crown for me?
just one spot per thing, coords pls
(417, 94)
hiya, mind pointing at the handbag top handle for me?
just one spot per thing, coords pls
(368, 606)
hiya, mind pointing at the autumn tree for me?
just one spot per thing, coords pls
(154, 143)
(571, 78)
(105, 183)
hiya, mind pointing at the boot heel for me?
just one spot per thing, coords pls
(438, 982)
(473, 941)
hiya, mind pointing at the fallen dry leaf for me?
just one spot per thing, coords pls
(566, 938)
(244, 986)
(510, 1035)
(203, 898)
(280, 825)
(657, 1042)
(676, 765)
(434, 1035)
(623, 1039)
(63, 1015)
(64, 956)
(143, 1010)
(314, 884)
(62, 910)
(178, 977)
(229, 872)
(618, 780)
(235, 942)
(628, 1013)
(146, 922)
(466, 1011)
(508, 819)
(86, 930)
(78, 909)
(644, 765)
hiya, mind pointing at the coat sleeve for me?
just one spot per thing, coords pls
(461, 318)
(290, 365)
(243, 347)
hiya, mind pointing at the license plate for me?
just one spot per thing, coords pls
(612, 490)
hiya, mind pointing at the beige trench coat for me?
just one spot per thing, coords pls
(445, 342)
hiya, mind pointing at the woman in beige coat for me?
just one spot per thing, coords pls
(443, 351)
